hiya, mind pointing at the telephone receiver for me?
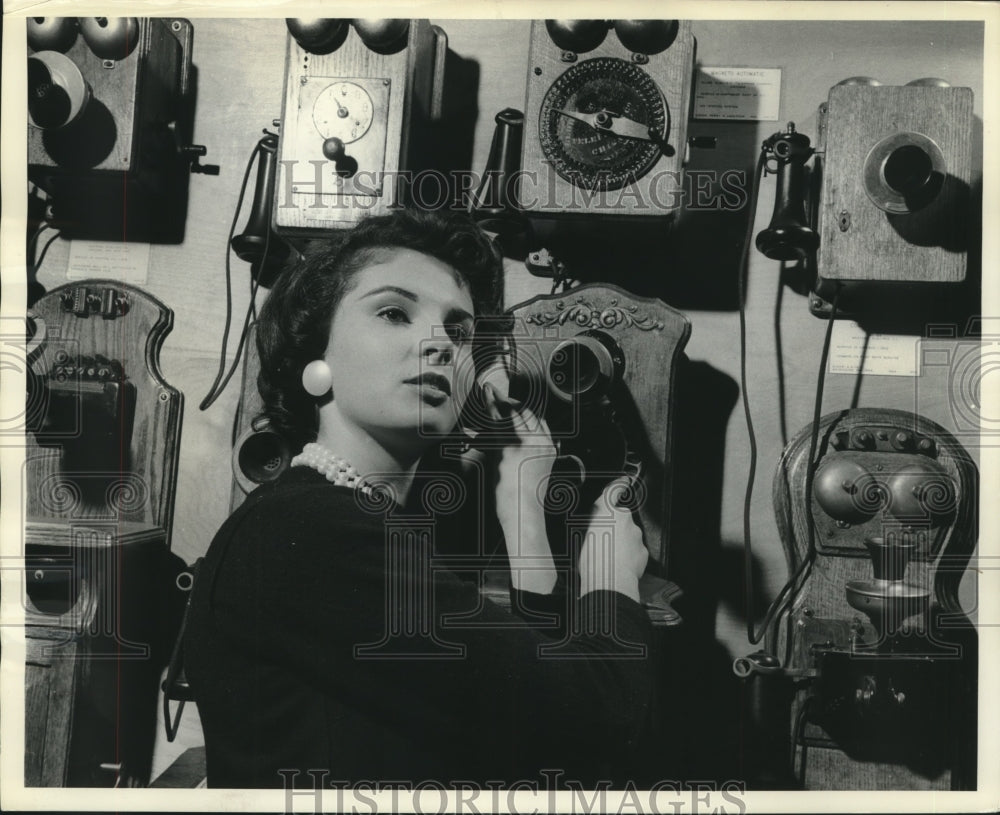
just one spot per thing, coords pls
(788, 236)
(573, 384)
(260, 455)
(257, 244)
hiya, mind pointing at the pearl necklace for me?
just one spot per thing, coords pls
(335, 469)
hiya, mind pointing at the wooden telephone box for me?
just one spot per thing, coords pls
(100, 473)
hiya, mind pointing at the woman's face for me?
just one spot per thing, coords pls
(401, 350)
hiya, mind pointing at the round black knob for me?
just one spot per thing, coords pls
(333, 149)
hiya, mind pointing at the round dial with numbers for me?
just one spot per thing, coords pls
(343, 111)
(603, 123)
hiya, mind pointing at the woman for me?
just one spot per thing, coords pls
(334, 627)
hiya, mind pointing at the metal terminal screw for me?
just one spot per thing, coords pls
(640, 59)
(568, 56)
(845, 221)
(175, 25)
(537, 71)
(107, 63)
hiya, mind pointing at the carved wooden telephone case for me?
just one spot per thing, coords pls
(599, 365)
(100, 476)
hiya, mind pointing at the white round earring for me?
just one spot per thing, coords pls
(317, 379)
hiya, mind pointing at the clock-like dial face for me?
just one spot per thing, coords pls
(593, 156)
(344, 111)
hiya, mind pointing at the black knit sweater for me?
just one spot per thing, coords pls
(330, 636)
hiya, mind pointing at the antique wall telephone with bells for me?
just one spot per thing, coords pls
(868, 670)
(889, 194)
(358, 94)
(110, 112)
(597, 154)
(606, 108)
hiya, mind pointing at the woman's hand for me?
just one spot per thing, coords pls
(525, 462)
(613, 556)
(523, 466)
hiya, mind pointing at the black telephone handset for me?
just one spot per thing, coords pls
(788, 236)
(573, 385)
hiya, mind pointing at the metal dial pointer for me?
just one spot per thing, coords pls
(606, 122)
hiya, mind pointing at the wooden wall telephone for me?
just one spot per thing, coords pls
(357, 94)
(890, 193)
(599, 364)
(100, 476)
(869, 672)
(110, 109)
(606, 115)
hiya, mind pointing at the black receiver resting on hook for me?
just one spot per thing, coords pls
(257, 244)
(788, 236)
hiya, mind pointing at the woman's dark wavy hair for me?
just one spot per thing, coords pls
(294, 324)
